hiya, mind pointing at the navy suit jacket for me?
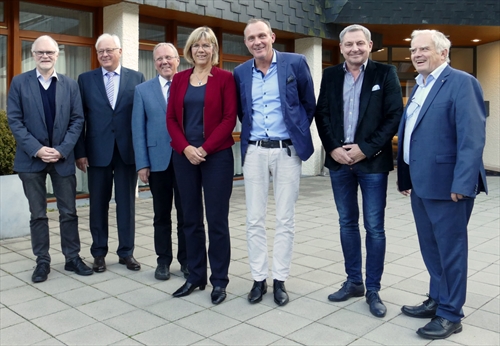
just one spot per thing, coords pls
(103, 125)
(380, 110)
(447, 142)
(27, 121)
(297, 98)
(149, 127)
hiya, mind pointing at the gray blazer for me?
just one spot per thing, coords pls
(27, 122)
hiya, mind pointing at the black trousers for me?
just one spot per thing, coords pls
(100, 189)
(164, 189)
(213, 180)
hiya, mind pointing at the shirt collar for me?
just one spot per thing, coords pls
(54, 74)
(117, 71)
(434, 75)
(363, 67)
(164, 81)
(273, 61)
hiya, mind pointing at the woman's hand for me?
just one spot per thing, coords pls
(194, 155)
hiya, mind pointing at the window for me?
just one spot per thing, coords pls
(43, 18)
(2, 17)
(234, 44)
(151, 32)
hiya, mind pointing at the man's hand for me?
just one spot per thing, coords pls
(48, 155)
(340, 155)
(455, 197)
(82, 164)
(354, 152)
(194, 155)
(406, 193)
(144, 175)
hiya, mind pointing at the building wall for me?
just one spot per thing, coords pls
(488, 74)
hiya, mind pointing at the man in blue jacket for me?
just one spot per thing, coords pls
(441, 139)
(276, 106)
(153, 155)
(45, 115)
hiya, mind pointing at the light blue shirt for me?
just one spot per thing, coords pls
(116, 81)
(267, 117)
(415, 105)
(351, 94)
(46, 83)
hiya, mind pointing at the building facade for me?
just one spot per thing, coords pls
(309, 27)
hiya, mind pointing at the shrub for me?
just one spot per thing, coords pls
(7, 146)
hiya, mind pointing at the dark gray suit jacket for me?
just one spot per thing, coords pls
(103, 124)
(27, 122)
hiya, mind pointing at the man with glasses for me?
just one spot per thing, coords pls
(441, 140)
(45, 115)
(105, 149)
(153, 155)
(358, 112)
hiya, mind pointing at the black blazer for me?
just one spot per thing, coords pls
(380, 110)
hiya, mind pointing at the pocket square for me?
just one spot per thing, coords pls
(376, 87)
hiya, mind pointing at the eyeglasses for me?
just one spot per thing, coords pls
(40, 53)
(167, 57)
(205, 46)
(108, 51)
(412, 108)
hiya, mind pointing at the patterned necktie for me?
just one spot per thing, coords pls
(167, 94)
(110, 87)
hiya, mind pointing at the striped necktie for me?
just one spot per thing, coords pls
(167, 94)
(110, 87)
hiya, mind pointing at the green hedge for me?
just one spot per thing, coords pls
(7, 146)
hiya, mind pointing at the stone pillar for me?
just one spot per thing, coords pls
(311, 47)
(122, 19)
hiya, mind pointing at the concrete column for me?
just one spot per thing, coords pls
(122, 19)
(311, 47)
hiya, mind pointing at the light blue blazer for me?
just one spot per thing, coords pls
(149, 128)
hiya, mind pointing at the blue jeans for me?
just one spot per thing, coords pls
(65, 192)
(373, 186)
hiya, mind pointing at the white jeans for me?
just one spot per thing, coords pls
(260, 164)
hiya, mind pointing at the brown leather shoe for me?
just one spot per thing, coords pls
(99, 265)
(131, 262)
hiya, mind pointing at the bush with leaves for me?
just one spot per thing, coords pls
(7, 146)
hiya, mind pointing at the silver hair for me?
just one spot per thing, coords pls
(165, 44)
(45, 37)
(355, 27)
(106, 35)
(441, 42)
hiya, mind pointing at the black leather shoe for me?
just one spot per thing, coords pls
(76, 265)
(162, 272)
(280, 295)
(131, 263)
(425, 310)
(99, 265)
(377, 307)
(187, 289)
(348, 290)
(439, 328)
(218, 294)
(259, 288)
(185, 271)
(41, 272)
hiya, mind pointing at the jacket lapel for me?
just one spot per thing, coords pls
(158, 93)
(123, 82)
(432, 94)
(61, 96)
(248, 87)
(99, 81)
(366, 89)
(35, 91)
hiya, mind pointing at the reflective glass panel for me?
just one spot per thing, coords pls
(182, 36)
(151, 32)
(234, 44)
(58, 20)
(2, 18)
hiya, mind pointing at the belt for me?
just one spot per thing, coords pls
(270, 144)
